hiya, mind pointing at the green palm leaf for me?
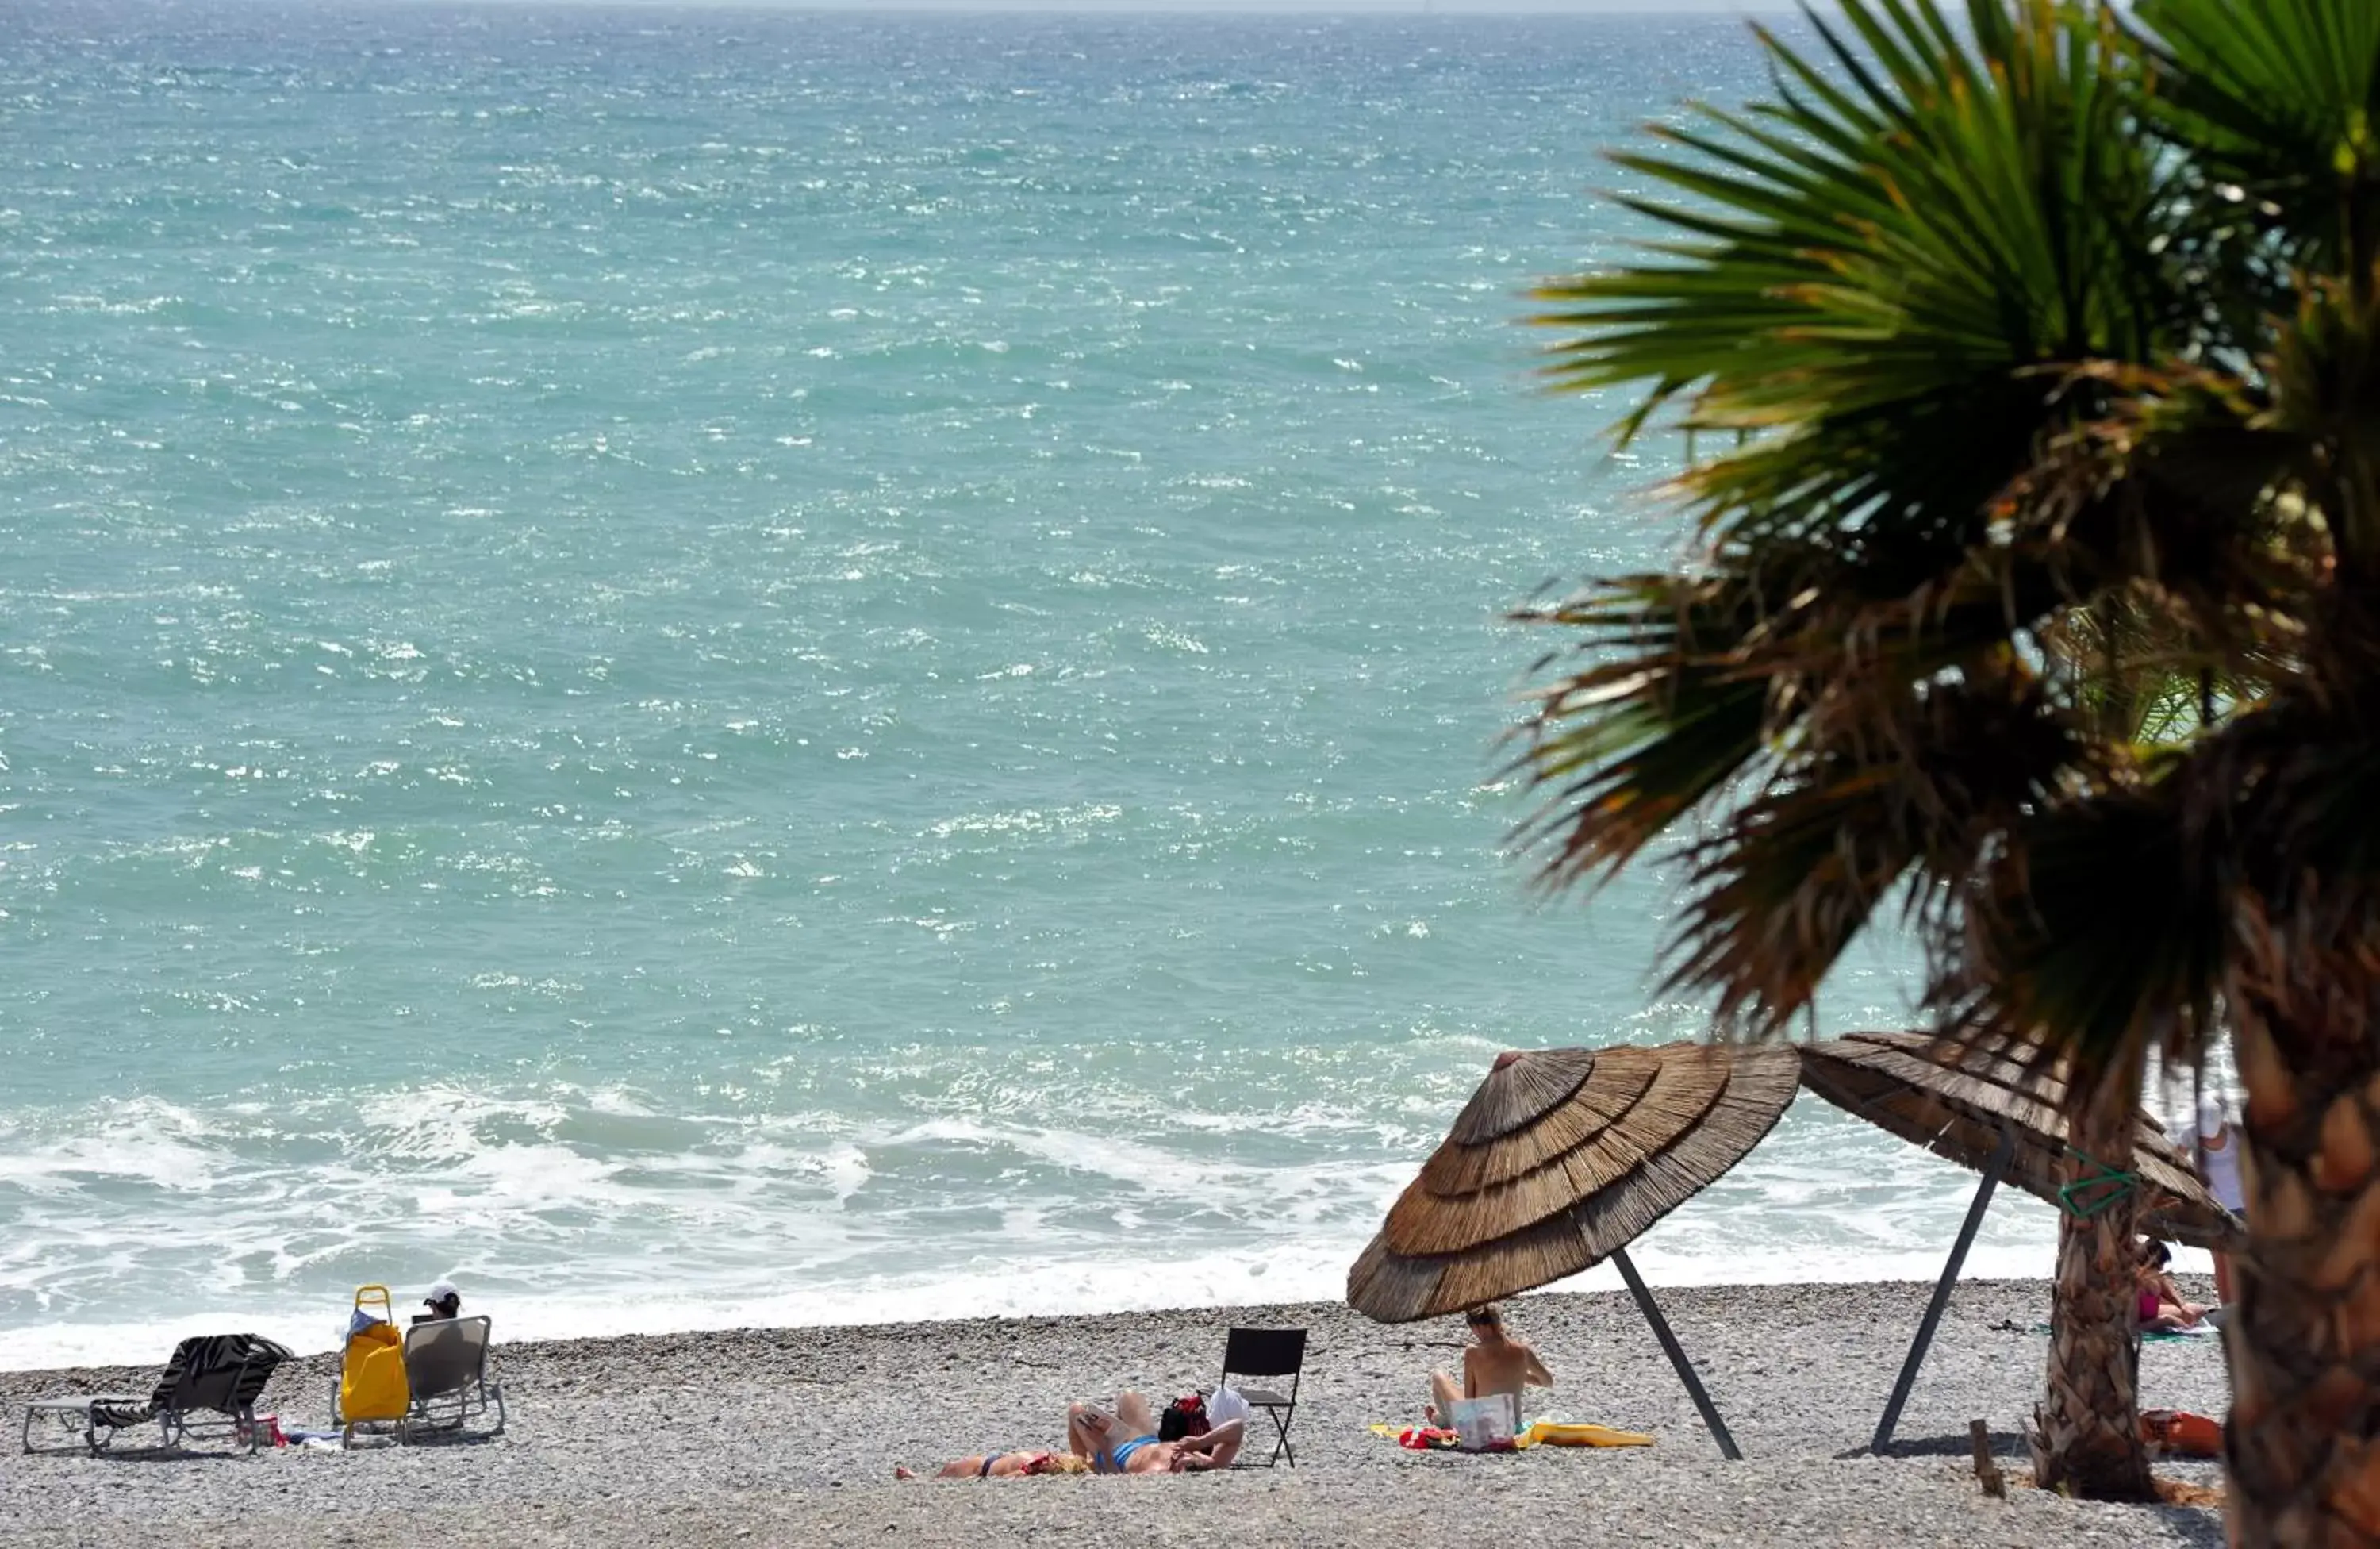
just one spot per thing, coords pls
(2278, 105)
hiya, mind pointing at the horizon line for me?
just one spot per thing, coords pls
(1303, 9)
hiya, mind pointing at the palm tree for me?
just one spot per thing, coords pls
(2050, 346)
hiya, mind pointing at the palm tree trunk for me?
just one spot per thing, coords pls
(2303, 1448)
(2086, 1438)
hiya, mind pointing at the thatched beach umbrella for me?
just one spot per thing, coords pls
(1560, 1159)
(1999, 1106)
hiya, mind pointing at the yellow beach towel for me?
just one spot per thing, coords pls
(1543, 1433)
(1557, 1433)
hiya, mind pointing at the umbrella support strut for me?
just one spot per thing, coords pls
(1992, 1170)
(1645, 1304)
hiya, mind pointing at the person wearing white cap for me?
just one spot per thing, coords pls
(443, 1301)
(2215, 1149)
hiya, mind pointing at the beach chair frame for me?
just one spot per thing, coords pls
(207, 1393)
(441, 1406)
(1267, 1352)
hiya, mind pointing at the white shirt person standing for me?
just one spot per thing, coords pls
(2215, 1149)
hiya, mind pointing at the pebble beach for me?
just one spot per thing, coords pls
(790, 1435)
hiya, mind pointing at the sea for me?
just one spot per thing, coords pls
(702, 667)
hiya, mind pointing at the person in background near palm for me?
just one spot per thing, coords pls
(2215, 1150)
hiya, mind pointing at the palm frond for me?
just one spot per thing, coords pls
(2277, 104)
(1657, 725)
(2051, 498)
(2103, 922)
(1871, 266)
(1866, 809)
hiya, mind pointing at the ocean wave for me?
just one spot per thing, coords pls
(1025, 1284)
(557, 1204)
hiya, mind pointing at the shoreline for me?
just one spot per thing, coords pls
(71, 1345)
(789, 1435)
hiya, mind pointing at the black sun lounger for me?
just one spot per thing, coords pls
(220, 1376)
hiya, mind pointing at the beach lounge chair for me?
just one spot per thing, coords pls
(1267, 1352)
(446, 1367)
(219, 1374)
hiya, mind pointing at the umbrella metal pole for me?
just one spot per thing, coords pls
(1669, 1346)
(1992, 1170)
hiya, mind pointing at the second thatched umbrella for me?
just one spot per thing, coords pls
(1999, 1106)
(1560, 1159)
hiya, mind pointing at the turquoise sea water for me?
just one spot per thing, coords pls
(713, 666)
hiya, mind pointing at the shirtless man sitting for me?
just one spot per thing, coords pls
(1127, 1441)
(1494, 1363)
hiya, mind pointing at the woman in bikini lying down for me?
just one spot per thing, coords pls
(1128, 1441)
(1006, 1464)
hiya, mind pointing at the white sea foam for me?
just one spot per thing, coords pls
(1026, 1287)
(556, 1207)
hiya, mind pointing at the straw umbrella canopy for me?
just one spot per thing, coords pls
(1561, 1159)
(1960, 1099)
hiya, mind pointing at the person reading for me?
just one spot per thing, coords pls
(1493, 1364)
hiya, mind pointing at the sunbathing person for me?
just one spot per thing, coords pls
(1132, 1440)
(1494, 1363)
(1006, 1464)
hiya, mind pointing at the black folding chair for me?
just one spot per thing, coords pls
(1267, 1352)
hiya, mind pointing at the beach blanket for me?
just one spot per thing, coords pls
(1543, 1433)
(1420, 1438)
(2158, 1336)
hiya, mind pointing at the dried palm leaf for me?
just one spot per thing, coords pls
(1958, 1100)
(1504, 1207)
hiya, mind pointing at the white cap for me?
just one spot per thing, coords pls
(442, 1292)
(2211, 1118)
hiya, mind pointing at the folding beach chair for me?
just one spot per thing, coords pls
(219, 1374)
(446, 1367)
(1267, 1352)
